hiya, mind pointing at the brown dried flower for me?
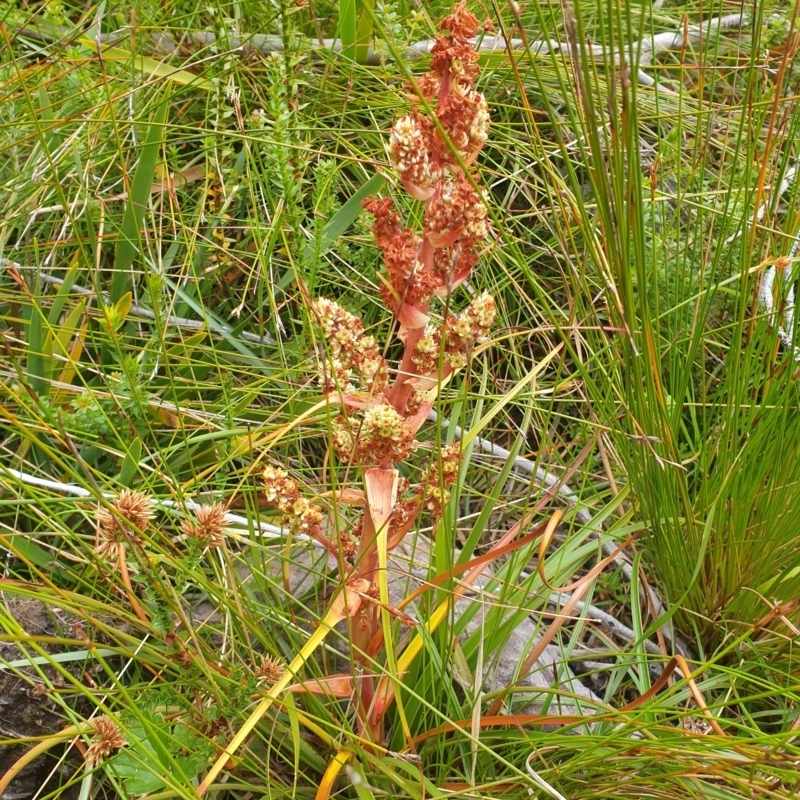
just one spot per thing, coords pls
(132, 514)
(109, 738)
(208, 525)
(454, 54)
(270, 670)
(456, 211)
(301, 515)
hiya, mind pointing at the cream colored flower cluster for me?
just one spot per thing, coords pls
(460, 333)
(302, 516)
(380, 436)
(409, 152)
(352, 353)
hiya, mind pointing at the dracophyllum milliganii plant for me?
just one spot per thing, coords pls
(383, 407)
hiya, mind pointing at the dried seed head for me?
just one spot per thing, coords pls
(464, 114)
(209, 525)
(346, 543)
(270, 670)
(462, 24)
(109, 738)
(456, 212)
(408, 281)
(132, 514)
(134, 507)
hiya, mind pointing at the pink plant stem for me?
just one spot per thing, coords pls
(401, 390)
(366, 562)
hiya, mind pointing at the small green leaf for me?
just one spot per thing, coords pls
(130, 464)
(348, 27)
(123, 307)
(128, 244)
(137, 779)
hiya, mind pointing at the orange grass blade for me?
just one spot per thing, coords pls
(332, 773)
(339, 686)
(517, 720)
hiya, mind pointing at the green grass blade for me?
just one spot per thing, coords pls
(130, 237)
(348, 27)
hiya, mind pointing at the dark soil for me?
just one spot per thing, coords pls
(27, 708)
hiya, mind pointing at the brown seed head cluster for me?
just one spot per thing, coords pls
(270, 670)
(409, 282)
(456, 212)
(431, 168)
(131, 516)
(208, 525)
(109, 738)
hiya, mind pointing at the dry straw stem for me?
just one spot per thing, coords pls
(259, 528)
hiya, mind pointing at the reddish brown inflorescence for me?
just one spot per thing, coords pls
(431, 157)
(431, 148)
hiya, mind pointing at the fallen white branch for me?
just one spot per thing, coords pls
(61, 487)
(639, 53)
(146, 313)
(766, 292)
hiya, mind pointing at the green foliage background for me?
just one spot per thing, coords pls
(172, 194)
